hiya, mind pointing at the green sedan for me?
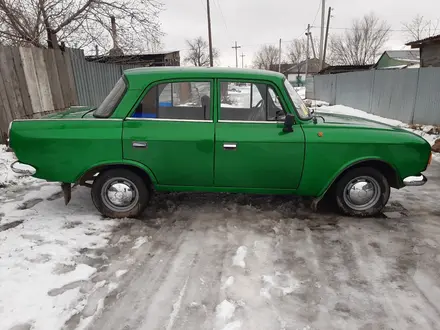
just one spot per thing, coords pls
(216, 130)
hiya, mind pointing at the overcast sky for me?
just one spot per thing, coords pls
(255, 22)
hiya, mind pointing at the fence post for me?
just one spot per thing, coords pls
(370, 105)
(415, 98)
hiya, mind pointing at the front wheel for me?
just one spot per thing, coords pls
(362, 191)
(120, 193)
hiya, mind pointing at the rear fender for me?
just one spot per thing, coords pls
(123, 162)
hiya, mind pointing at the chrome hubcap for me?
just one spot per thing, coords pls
(362, 193)
(120, 194)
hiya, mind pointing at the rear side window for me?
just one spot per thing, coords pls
(179, 100)
(108, 106)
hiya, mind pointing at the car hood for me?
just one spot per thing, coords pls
(72, 112)
(338, 119)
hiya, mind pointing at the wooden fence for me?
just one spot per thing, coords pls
(33, 82)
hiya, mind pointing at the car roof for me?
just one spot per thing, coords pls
(167, 72)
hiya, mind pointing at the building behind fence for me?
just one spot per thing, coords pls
(408, 95)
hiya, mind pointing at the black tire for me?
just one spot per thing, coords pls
(375, 181)
(132, 184)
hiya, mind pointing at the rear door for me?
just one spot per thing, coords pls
(171, 131)
(251, 150)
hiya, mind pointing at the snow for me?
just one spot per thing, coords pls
(44, 280)
(139, 242)
(121, 272)
(224, 312)
(238, 259)
(229, 282)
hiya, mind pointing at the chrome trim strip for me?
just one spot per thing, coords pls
(169, 119)
(250, 122)
(69, 119)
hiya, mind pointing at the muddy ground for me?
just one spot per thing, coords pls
(212, 261)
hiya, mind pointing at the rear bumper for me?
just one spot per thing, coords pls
(413, 181)
(23, 169)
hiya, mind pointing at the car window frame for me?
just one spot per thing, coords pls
(268, 83)
(156, 83)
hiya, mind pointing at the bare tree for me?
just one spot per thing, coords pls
(296, 51)
(360, 44)
(198, 54)
(81, 23)
(266, 56)
(420, 28)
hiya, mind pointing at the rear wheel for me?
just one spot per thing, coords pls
(362, 191)
(120, 193)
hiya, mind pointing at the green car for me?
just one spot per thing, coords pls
(216, 130)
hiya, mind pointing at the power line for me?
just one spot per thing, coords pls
(317, 12)
(342, 28)
(217, 3)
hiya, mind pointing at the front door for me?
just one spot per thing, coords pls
(172, 133)
(251, 149)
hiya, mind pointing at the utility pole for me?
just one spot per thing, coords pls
(279, 60)
(313, 45)
(242, 60)
(211, 60)
(326, 36)
(236, 53)
(307, 51)
(321, 42)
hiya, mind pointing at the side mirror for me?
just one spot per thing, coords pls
(288, 123)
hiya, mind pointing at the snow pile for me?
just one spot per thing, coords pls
(46, 251)
(238, 259)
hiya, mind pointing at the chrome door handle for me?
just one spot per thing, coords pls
(229, 146)
(139, 144)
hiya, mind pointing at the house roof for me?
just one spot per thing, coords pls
(418, 43)
(344, 68)
(288, 68)
(313, 67)
(404, 55)
(130, 59)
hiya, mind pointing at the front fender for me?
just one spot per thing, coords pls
(352, 164)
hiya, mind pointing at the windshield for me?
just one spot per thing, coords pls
(301, 108)
(111, 101)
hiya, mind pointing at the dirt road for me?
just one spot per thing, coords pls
(243, 262)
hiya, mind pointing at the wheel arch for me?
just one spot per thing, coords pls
(140, 169)
(388, 170)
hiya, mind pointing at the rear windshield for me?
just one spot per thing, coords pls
(108, 106)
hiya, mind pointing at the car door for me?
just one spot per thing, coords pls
(171, 131)
(251, 149)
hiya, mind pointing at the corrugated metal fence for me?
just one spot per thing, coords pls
(408, 95)
(94, 80)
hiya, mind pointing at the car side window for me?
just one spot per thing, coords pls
(178, 100)
(249, 102)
